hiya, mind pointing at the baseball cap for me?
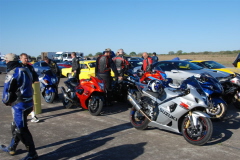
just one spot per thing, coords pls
(10, 57)
(108, 50)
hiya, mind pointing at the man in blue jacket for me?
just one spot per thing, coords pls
(18, 93)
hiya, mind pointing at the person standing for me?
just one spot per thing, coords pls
(104, 64)
(55, 70)
(121, 62)
(24, 62)
(147, 62)
(18, 93)
(154, 57)
(75, 66)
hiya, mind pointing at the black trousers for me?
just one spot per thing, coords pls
(76, 75)
(108, 84)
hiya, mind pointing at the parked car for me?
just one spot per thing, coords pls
(134, 58)
(66, 64)
(87, 70)
(181, 70)
(135, 63)
(3, 67)
(216, 66)
(40, 66)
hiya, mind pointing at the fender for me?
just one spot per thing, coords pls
(50, 89)
(217, 100)
(196, 115)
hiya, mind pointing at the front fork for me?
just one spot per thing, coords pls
(193, 117)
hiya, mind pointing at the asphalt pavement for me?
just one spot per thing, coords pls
(74, 134)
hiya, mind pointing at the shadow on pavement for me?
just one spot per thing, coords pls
(126, 152)
(74, 147)
(222, 129)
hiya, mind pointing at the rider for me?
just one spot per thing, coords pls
(18, 93)
(104, 64)
(121, 62)
(147, 62)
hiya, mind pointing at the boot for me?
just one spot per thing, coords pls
(11, 149)
(31, 156)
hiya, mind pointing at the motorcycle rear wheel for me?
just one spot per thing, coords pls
(66, 103)
(201, 134)
(95, 108)
(138, 120)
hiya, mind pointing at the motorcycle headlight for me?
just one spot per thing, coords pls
(53, 80)
(101, 85)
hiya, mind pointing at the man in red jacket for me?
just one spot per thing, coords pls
(147, 62)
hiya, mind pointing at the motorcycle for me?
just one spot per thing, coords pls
(214, 90)
(177, 110)
(210, 85)
(48, 85)
(232, 90)
(89, 94)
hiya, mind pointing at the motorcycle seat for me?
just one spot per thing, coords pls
(74, 84)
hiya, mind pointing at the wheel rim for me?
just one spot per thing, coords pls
(47, 96)
(196, 134)
(137, 118)
(93, 107)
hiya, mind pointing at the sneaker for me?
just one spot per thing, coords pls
(9, 150)
(35, 119)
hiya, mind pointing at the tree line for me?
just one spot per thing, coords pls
(179, 52)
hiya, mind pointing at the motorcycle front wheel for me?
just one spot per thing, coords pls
(95, 106)
(199, 135)
(218, 112)
(138, 120)
(49, 97)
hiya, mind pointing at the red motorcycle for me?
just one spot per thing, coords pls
(89, 94)
(154, 74)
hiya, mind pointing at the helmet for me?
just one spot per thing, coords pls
(139, 73)
(155, 86)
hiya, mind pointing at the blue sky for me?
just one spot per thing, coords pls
(90, 26)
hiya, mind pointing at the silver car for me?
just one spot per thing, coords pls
(181, 70)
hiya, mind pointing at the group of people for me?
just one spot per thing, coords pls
(18, 91)
(119, 65)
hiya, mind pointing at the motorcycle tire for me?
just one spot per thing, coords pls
(198, 136)
(138, 120)
(221, 114)
(66, 103)
(49, 98)
(96, 108)
(136, 95)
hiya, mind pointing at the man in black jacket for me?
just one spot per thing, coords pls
(54, 68)
(104, 64)
(75, 66)
(24, 62)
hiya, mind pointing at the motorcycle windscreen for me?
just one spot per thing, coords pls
(194, 82)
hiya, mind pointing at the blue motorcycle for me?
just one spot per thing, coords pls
(48, 85)
(214, 90)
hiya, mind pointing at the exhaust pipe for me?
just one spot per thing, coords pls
(65, 94)
(137, 106)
